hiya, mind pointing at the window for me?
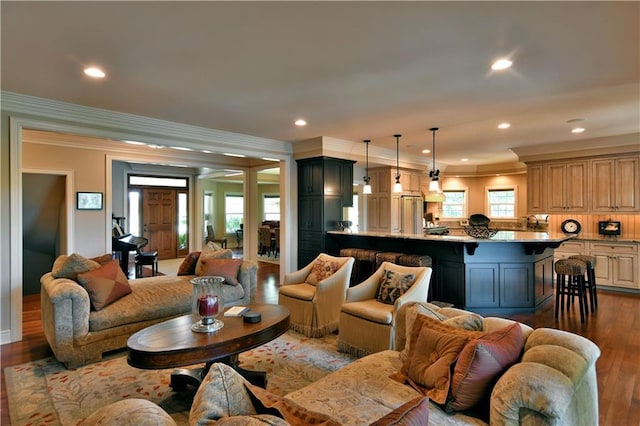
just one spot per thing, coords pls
(271, 207)
(502, 203)
(454, 204)
(233, 212)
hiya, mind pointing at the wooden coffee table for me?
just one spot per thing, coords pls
(172, 344)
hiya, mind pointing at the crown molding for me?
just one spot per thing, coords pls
(120, 126)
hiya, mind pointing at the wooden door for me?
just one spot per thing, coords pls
(159, 221)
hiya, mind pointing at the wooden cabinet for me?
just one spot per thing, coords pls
(570, 248)
(535, 189)
(495, 285)
(384, 207)
(325, 186)
(616, 264)
(566, 187)
(615, 183)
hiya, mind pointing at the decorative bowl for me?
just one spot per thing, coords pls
(481, 232)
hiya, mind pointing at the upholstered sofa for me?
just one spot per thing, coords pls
(552, 383)
(78, 334)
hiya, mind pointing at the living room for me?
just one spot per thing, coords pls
(45, 132)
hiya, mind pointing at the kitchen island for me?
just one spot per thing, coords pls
(511, 272)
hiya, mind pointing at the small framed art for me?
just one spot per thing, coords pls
(89, 201)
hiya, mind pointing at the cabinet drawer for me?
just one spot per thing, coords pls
(573, 246)
(619, 248)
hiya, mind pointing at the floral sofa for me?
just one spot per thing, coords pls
(79, 334)
(553, 382)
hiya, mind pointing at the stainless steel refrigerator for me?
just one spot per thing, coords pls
(412, 214)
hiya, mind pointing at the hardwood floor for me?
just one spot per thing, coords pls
(615, 328)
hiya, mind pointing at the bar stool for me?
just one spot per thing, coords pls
(387, 256)
(147, 258)
(415, 260)
(590, 281)
(570, 282)
(364, 265)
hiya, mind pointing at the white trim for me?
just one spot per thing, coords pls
(15, 230)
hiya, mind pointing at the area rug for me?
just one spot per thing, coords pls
(44, 392)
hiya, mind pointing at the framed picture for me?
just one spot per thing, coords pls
(89, 201)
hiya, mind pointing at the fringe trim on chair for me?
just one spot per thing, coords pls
(351, 350)
(309, 331)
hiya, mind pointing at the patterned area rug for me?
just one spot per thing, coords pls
(44, 392)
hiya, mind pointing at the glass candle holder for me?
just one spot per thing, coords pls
(207, 304)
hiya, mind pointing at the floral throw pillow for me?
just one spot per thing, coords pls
(393, 285)
(321, 270)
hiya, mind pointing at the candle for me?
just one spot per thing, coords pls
(208, 305)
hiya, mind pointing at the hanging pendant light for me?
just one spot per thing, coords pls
(397, 187)
(435, 192)
(367, 178)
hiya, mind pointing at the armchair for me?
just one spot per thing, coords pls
(315, 293)
(366, 324)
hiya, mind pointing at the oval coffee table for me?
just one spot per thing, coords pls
(171, 343)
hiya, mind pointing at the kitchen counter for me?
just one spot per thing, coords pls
(511, 272)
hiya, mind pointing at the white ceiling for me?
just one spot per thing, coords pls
(353, 70)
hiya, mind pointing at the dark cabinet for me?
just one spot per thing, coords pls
(325, 187)
(493, 285)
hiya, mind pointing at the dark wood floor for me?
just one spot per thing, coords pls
(615, 328)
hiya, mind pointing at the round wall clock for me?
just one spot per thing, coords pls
(571, 226)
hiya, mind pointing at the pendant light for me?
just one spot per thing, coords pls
(397, 187)
(435, 192)
(367, 178)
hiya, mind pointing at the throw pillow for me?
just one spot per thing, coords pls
(188, 265)
(211, 246)
(226, 268)
(217, 254)
(105, 285)
(266, 402)
(480, 363)
(471, 322)
(321, 270)
(393, 285)
(70, 266)
(434, 347)
(412, 413)
(104, 259)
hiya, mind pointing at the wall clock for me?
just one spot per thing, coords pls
(571, 226)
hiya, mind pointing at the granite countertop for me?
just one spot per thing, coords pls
(501, 237)
(606, 238)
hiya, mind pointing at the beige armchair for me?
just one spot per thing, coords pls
(315, 293)
(368, 325)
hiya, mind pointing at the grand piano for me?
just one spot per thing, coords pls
(124, 244)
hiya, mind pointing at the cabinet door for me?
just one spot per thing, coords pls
(396, 213)
(347, 184)
(483, 285)
(604, 268)
(543, 279)
(555, 187)
(535, 191)
(332, 178)
(516, 285)
(576, 187)
(310, 174)
(603, 185)
(310, 214)
(378, 209)
(625, 271)
(627, 187)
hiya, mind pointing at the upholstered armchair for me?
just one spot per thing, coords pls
(368, 317)
(315, 293)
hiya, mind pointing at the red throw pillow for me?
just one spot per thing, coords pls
(188, 265)
(412, 413)
(227, 268)
(105, 285)
(480, 363)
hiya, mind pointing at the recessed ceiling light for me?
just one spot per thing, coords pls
(181, 148)
(206, 151)
(94, 72)
(577, 130)
(426, 151)
(230, 154)
(134, 143)
(464, 159)
(300, 122)
(501, 64)
(504, 126)
(156, 146)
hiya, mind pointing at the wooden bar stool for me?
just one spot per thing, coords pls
(147, 258)
(387, 256)
(590, 280)
(364, 265)
(570, 282)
